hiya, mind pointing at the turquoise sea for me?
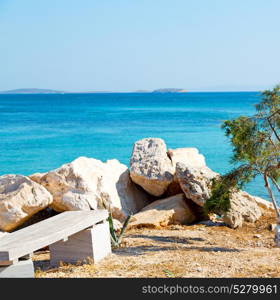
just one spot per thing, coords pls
(39, 132)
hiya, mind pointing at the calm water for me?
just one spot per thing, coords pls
(41, 132)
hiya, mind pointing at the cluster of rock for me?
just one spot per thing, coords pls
(161, 187)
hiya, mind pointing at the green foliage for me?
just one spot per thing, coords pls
(222, 187)
(169, 274)
(219, 201)
(116, 239)
(269, 106)
(249, 143)
(256, 149)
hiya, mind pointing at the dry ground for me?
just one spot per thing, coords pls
(182, 251)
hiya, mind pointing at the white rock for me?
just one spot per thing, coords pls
(20, 198)
(264, 204)
(172, 210)
(195, 182)
(243, 208)
(257, 236)
(187, 156)
(2, 234)
(88, 183)
(150, 167)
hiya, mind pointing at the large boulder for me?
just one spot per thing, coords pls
(38, 217)
(20, 198)
(3, 233)
(264, 204)
(244, 207)
(88, 183)
(150, 166)
(188, 156)
(172, 210)
(195, 182)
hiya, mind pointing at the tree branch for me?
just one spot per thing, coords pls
(273, 129)
(267, 186)
(275, 183)
(272, 115)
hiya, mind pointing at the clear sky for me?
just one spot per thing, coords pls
(128, 45)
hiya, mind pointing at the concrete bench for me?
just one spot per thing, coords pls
(72, 236)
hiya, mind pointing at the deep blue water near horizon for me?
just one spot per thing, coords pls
(40, 132)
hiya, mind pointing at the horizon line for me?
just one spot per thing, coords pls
(157, 91)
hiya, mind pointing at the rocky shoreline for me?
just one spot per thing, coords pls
(162, 187)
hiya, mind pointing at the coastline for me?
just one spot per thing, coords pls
(50, 128)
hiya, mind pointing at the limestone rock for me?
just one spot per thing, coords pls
(37, 176)
(196, 185)
(88, 183)
(20, 198)
(2, 234)
(173, 189)
(38, 217)
(172, 210)
(187, 156)
(195, 182)
(150, 167)
(243, 208)
(264, 204)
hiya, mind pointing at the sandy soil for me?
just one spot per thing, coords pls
(182, 251)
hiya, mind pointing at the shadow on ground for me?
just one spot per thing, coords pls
(178, 243)
(169, 239)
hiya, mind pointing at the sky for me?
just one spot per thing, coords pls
(129, 45)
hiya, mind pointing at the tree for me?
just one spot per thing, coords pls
(256, 151)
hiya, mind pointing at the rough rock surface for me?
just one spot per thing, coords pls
(150, 167)
(195, 182)
(196, 185)
(172, 210)
(264, 204)
(2, 234)
(243, 208)
(38, 217)
(20, 198)
(87, 183)
(173, 189)
(187, 156)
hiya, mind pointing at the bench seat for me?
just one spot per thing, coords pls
(60, 231)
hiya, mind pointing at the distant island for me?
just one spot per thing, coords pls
(170, 90)
(49, 91)
(32, 91)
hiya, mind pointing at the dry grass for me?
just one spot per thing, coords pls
(182, 251)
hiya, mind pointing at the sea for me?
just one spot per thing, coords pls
(40, 132)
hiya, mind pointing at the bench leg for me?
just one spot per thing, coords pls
(88, 245)
(21, 269)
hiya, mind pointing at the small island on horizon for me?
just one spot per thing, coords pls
(32, 91)
(37, 91)
(50, 91)
(170, 90)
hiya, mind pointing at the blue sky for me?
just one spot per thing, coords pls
(127, 45)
